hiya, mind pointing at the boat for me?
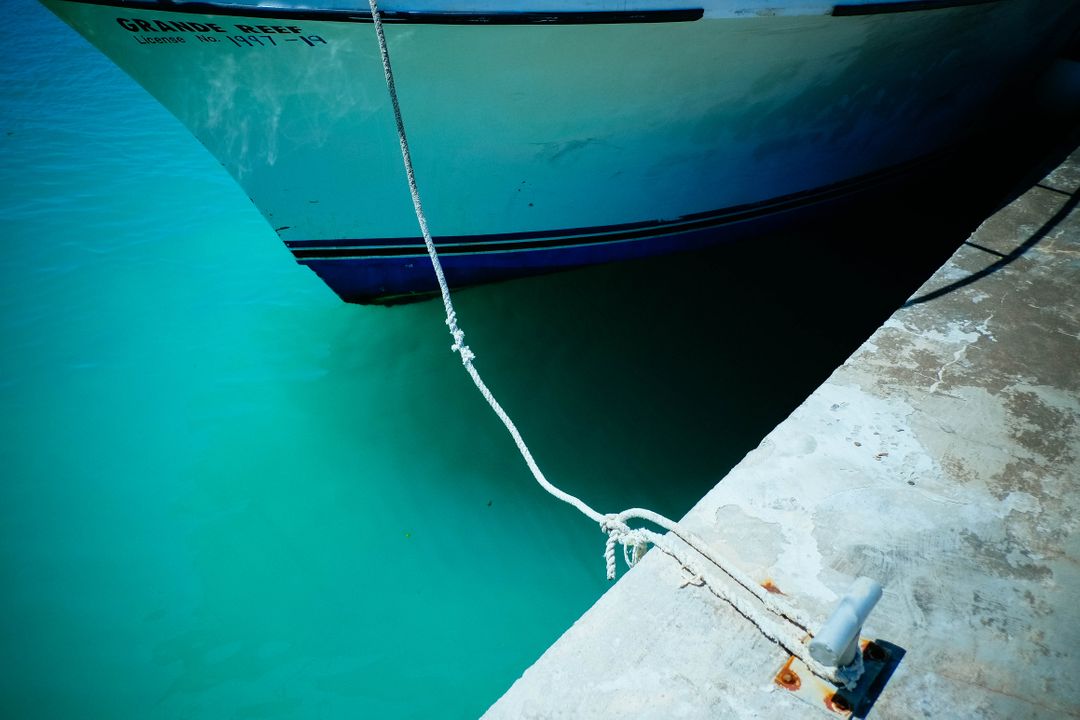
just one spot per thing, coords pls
(549, 134)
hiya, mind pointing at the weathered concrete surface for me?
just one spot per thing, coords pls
(943, 459)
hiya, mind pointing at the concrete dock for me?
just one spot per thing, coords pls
(942, 459)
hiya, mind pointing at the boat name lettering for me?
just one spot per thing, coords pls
(136, 25)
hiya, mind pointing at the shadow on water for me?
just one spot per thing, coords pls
(646, 381)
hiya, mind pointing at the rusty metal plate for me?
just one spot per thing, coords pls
(880, 659)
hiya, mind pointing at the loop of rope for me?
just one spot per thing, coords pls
(634, 540)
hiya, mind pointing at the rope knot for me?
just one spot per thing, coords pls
(459, 345)
(634, 542)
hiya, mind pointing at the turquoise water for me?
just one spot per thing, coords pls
(227, 494)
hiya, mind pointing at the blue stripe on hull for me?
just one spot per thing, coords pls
(402, 279)
(397, 279)
(365, 273)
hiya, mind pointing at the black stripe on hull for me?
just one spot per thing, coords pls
(902, 6)
(598, 17)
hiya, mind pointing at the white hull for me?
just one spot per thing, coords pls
(518, 130)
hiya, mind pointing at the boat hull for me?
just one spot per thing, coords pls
(542, 145)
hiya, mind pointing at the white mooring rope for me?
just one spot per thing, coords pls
(792, 630)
